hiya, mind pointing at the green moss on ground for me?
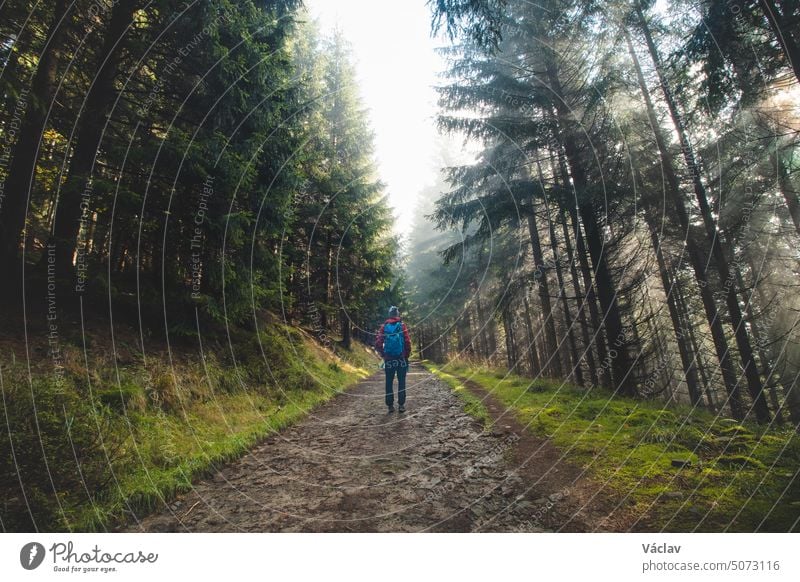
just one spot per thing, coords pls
(733, 477)
(121, 440)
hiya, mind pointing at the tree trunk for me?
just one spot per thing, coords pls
(601, 376)
(480, 337)
(575, 368)
(553, 365)
(766, 365)
(779, 366)
(22, 170)
(588, 352)
(465, 334)
(688, 325)
(344, 321)
(591, 298)
(491, 336)
(784, 32)
(754, 384)
(444, 343)
(785, 185)
(533, 355)
(606, 292)
(99, 99)
(576, 289)
(510, 357)
(696, 259)
(620, 364)
(684, 348)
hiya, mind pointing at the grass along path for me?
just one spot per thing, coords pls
(179, 449)
(128, 436)
(682, 469)
(350, 466)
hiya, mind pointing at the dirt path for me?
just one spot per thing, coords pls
(349, 466)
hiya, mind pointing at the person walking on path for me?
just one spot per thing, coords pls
(394, 345)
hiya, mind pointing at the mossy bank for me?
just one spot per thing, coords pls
(110, 435)
(683, 469)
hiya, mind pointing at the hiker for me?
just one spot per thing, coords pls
(394, 346)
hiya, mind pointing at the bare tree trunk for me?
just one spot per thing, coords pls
(576, 289)
(464, 329)
(620, 363)
(491, 337)
(684, 348)
(346, 328)
(551, 340)
(328, 291)
(591, 299)
(600, 377)
(754, 384)
(483, 348)
(533, 356)
(778, 367)
(766, 365)
(785, 185)
(510, 358)
(688, 325)
(588, 352)
(784, 32)
(22, 170)
(575, 368)
(96, 106)
(695, 255)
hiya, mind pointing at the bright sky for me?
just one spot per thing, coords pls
(397, 68)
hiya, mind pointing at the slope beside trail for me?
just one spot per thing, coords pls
(351, 467)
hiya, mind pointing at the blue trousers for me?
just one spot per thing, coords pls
(399, 367)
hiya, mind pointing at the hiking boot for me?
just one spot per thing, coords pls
(391, 410)
(401, 409)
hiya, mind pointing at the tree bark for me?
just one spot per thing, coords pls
(344, 321)
(491, 336)
(688, 325)
(588, 352)
(480, 336)
(508, 334)
(465, 341)
(766, 365)
(591, 297)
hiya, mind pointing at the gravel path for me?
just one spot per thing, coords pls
(351, 467)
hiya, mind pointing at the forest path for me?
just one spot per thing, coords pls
(350, 466)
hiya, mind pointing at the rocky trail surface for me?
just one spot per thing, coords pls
(351, 467)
